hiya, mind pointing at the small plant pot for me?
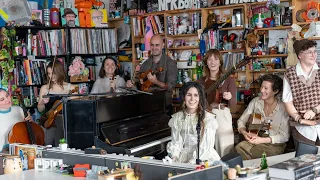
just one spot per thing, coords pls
(63, 147)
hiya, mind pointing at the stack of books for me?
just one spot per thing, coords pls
(304, 167)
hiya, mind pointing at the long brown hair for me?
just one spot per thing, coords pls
(58, 71)
(216, 53)
(202, 101)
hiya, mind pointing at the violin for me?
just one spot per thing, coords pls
(146, 83)
(26, 132)
(48, 118)
(112, 79)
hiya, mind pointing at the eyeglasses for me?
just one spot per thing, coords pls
(97, 17)
(309, 53)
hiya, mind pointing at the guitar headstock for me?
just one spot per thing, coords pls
(243, 62)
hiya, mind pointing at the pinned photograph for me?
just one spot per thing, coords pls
(36, 15)
(69, 17)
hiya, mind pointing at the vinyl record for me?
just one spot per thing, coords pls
(299, 16)
(313, 13)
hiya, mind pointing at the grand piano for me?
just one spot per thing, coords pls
(134, 124)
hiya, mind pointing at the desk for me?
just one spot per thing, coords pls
(38, 175)
(270, 160)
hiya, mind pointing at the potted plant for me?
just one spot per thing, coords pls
(63, 144)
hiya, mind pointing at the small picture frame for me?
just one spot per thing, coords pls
(36, 15)
(69, 17)
(99, 17)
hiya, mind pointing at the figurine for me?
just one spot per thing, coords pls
(264, 164)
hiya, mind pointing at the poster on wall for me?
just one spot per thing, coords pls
(99, 17)
(115, 8)
(69, 17)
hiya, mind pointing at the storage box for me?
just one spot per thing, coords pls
(80, 78)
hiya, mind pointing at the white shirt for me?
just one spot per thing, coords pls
(184, 138)
(309, 132)
(7, 121)
(279, 133)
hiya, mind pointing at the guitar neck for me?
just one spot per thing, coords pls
(220, 80)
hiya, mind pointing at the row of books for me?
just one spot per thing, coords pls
(93, 41)
(231, 60)
(49, 43)
(139, 24)
(30, 72)
(184, 24)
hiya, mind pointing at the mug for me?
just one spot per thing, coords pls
(12, 164)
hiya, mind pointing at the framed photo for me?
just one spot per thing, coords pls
(99, 17)
(36, 15)
(69, 17)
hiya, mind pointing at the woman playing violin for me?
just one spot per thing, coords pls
(9, 115)
(55, 73)
(109, 79)
(221, 101)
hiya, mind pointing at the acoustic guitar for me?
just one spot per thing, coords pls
(214, 87)
(146, 83)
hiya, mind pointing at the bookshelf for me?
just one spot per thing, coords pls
(30, 74)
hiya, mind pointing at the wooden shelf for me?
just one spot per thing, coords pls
(180, 11)
(226, 6)
(115, 19)
(184, 48)
(270, 56)
(264, 2)
(231, 28)
(179, 85)
(314, 38)
(142, 36)
(233, 51)
(275, 28)
(181, 35)
(125, 49)
(303, 23)
(264, 70)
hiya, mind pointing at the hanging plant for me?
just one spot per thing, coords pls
(6, 61)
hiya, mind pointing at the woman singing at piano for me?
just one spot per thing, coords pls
(183, 145)
(269, 107)
(221, 101)
(55, 85)
(108, 80)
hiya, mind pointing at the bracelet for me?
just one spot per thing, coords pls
(297, 118)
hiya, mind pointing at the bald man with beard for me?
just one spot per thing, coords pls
(167, 78)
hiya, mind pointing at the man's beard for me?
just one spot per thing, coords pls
(71, 23)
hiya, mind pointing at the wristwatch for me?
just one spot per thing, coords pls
(315, 110)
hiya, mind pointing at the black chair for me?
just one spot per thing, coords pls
(232, 159)
(306, 149)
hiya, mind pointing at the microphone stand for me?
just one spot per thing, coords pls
(198, 128)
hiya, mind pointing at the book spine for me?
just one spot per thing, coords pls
(306, 170)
